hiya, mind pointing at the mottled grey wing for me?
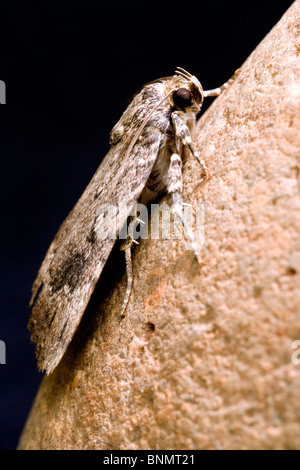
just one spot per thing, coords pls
(77, 255)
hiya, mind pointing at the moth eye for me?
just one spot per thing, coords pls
(182, 98)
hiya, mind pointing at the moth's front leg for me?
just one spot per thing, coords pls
(218, 91)
(182, 136)
(175, 190)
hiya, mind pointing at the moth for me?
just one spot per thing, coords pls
(144, 161)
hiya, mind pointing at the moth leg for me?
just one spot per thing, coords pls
(183, 136)
(126, 247)
(175, 189)
(218, 91)
(129, 274)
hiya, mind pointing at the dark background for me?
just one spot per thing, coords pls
(69, 69)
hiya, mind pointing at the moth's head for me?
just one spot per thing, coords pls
(188, 95)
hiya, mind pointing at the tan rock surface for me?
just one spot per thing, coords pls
(203, 358)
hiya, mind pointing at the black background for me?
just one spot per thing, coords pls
(69, 70)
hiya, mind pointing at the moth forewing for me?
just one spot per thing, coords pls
(76, 257)
(152, 132)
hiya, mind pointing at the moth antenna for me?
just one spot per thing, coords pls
(183, 73)
(129, 273)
